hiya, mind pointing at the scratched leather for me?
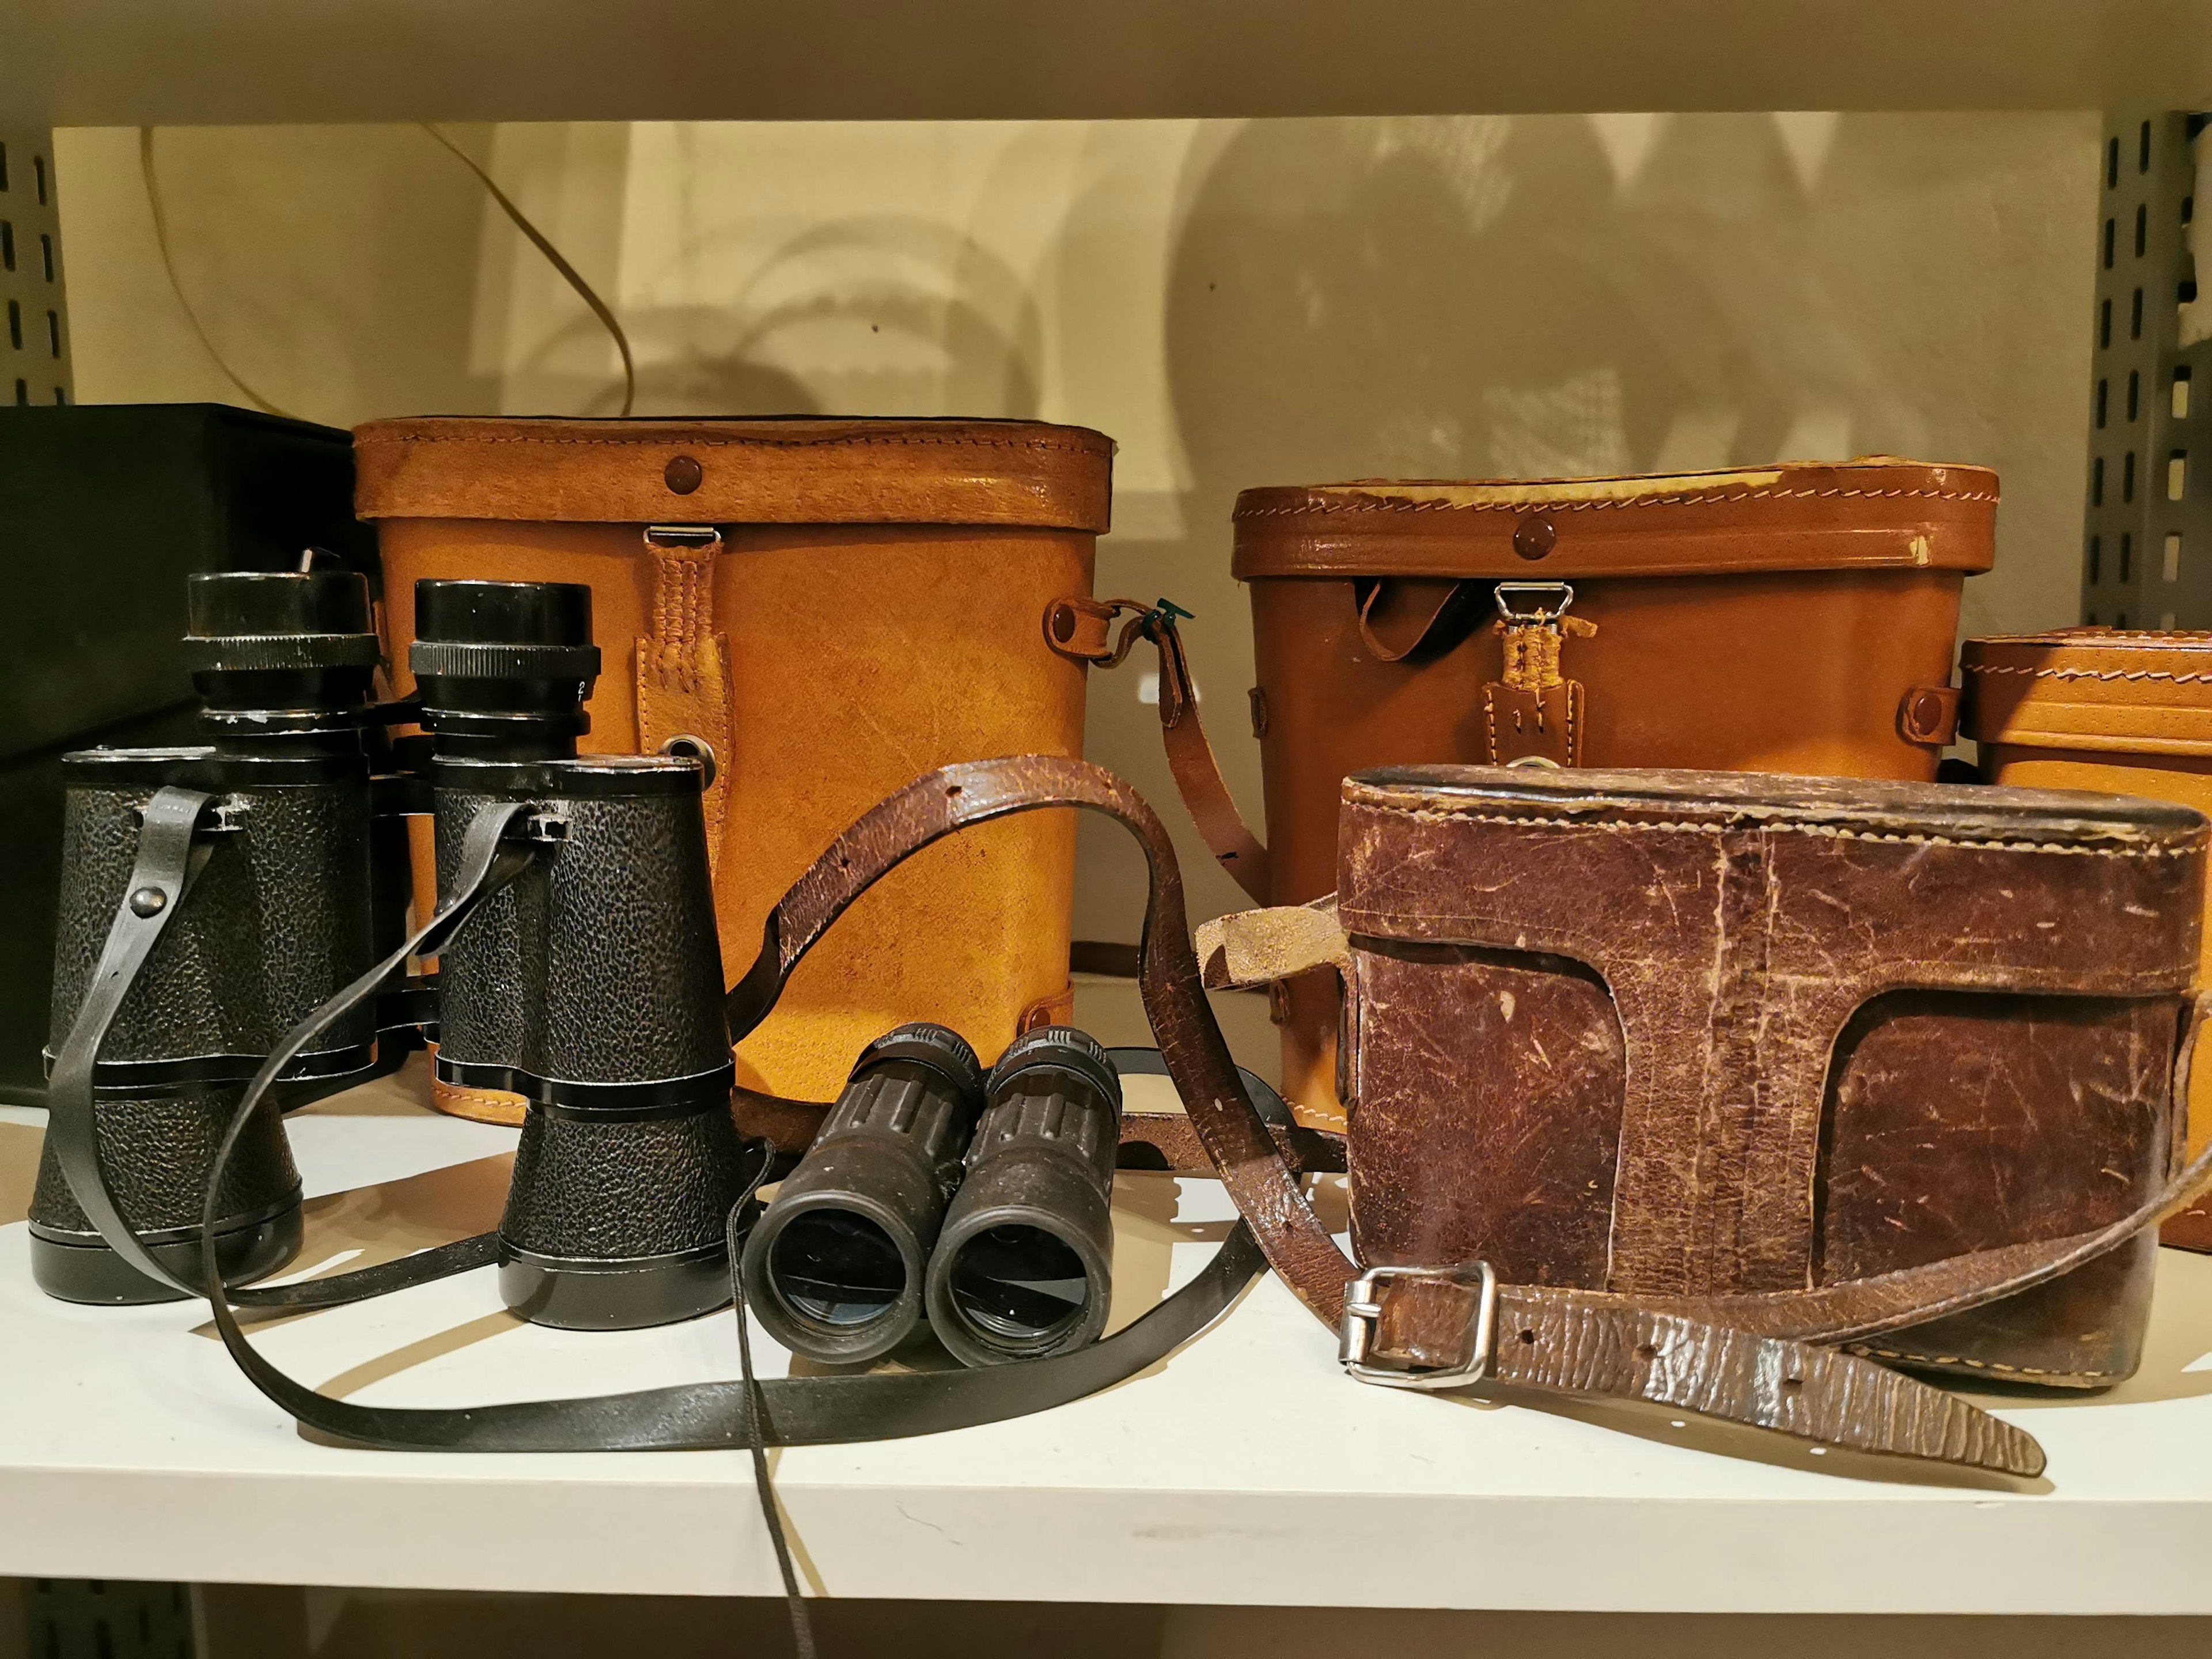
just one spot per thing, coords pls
(599, 964)
(157, 1150)
(277, 921)
(1850, 1400)
(1502, 1074)
(1743, 927)
(617, 1189)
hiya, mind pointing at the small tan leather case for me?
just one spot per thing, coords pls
(1697, 1035)
(1798, 617)
(2102, 708)
(838, 607)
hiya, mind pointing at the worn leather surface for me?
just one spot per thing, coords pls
(1690, 1035)
(2129, 711)
(796, 470)
(878, 589)
(1574, 1343)
(158, 1149)
(1772, 619)
(599, 964)
(276, 921)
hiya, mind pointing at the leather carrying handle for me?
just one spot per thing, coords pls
(1080, 627)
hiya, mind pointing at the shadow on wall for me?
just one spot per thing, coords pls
(334, 267)
(881, 315)
(1491, 297)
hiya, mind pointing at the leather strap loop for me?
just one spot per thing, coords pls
(1397, 613)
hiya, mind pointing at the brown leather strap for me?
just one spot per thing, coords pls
(1078, 628)
(1397, 612)
(1550, 1340)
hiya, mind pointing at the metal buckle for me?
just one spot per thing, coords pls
(1362, 1310)
(1562, 592)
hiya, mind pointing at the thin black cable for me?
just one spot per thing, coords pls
(802, 1622)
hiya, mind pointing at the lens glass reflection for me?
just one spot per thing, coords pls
(834, 1267)
(1019, 1285)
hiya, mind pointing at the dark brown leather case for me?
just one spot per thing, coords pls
(1798, 617)
(1695, 1034)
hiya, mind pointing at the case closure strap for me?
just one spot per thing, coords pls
(683, 667)
(1533, 714)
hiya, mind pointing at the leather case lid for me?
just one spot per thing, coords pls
(2097, 688)
(1872, 514)
(785, 470)
(2103, 891)
(1849, 808)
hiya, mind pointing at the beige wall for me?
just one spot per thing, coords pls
(1237, 303)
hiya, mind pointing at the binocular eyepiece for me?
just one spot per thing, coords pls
(503, 669)
(280, 654)
(980, 1205)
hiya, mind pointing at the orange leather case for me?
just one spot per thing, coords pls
(1795, 618)
(2125, 712)
(869, 612)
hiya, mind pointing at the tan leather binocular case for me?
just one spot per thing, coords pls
(2126, 712)
(831, 608)
(1795, 618)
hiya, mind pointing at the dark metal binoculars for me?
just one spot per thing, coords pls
(981, 1205)
(272, 914)
(591, 982)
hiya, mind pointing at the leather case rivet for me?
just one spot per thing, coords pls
(683, 474)
(1533, 538)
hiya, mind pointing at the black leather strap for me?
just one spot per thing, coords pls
(699, 1416)
(170, 858)
(171, 852)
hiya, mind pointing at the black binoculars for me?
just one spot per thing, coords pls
(587, 978)
(278, 909)
(591, 982)
(932, 1192)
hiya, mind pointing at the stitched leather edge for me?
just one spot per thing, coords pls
(1104, 446)
(1868, 1350)
(1319, 509)
(1438, 814)
(2091, 673)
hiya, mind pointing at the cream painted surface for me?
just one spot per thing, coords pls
(1236, 302)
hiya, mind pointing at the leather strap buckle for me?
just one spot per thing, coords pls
(1363, 1311)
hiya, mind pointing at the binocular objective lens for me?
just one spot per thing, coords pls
(835, 1268)
(1018, 1283)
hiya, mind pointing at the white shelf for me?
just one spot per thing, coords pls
(120, 62)
(1244, 1469)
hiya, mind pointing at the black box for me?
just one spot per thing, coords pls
(104, 511)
